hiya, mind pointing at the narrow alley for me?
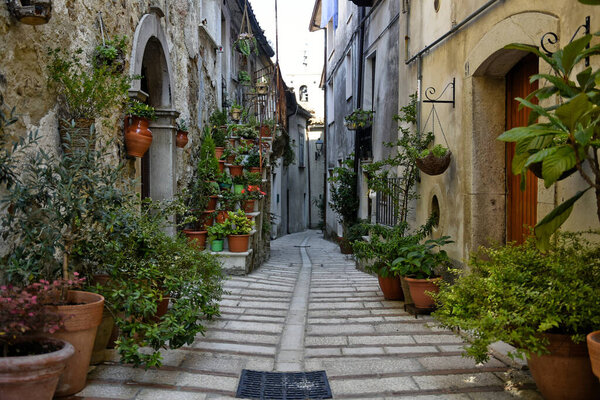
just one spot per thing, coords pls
(309, 309)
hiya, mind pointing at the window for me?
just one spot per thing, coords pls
(330, 39)
(303, 93)
(370, 82)
(330, 104)
(301, 136)
(349, 75)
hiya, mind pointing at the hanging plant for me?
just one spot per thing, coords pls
(111, 54)
(359, 119)
(434, 161)
(246, 42)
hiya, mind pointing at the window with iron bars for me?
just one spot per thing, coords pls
(387, 203)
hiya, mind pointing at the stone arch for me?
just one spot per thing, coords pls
(486, 67)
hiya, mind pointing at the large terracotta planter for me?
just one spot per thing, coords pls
(181, 139)
(391, 288)
(212, 203)
(265, 131)
(222, 216)
(566, 372)
(81, 320)
(221, 165)
(238, 243)
(593, 343)
(138, 137)
(254, 170)
(206, 219)
(249, 206)
(345, 246)
(196, 238)
(219, 152)
(418, 287)
(236, 170)
(34, 377)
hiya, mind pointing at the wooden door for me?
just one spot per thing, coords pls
(521, 205)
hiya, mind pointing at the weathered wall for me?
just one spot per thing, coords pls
(316, 169)
(472, 193)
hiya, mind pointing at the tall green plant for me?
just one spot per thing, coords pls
(342, 186)
(402, 190)
(569, 133)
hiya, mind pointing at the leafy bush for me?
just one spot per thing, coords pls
(359, 118)
(238, 223)
(142, 110)
(218, 231)
(514, 293)
(419, 260)
(344, 201)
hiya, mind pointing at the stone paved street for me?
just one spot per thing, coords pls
(309, 309)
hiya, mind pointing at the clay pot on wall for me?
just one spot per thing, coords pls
(181, 139)
(265, 131)
(593, 343)
(236, 170)
(212, 203)
(81, 319)
(418, 287)
(391, 288)
(238, 243)
(219, 152)
(196, 238)
(249, 206)
(138, 137)
(34, 377)
(566, 372)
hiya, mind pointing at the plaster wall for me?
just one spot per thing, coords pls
(471, 193)
(316, 170)
(295, 214)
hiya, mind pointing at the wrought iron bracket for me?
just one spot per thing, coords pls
(551, 38)
(430, 91)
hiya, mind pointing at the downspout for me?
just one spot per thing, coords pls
(359, 90)
(325, 131)
(307, 155)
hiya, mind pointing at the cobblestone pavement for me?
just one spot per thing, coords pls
(308, 309)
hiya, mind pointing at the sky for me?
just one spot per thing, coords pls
(295, 41)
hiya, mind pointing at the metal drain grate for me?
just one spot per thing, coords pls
(283, 385)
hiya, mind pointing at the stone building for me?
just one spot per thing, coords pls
(452, 51)
(183, 51)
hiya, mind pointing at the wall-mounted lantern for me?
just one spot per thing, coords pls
(30, 12)
(319, 148)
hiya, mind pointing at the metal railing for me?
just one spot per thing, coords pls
(387, 203)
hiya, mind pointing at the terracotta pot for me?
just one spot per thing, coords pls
(593, 343)
(212, 203)
(181, 139)
(250, 141)
(265, 131)
(222, 216)
(238, 243)
(254, 170)
(81, 320)
(566, 372)
(345, 246)
(103, 335)
(249, 206)
(206, 219)
(230, 159)
(391, 288)
(418, 287)
(138, 137)
(219, 152)
(236, 170)
(161, 308)
(222, 166)
(196, 238)
(34, 377)
(232, 141)
(406, 291)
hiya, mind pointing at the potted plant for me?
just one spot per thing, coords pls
(216, 236)
(244, 78)
(236, 168)
(359, 119)
(239, 182)
(249, 133)
(344, 201)
(540, 303)
(138, 137)
(181, 139)
(262, 86)
(225, 182)
(238, 231)
(84, 93)
(228, 202)
(434, 161)
(246, 44)
(111, 54)
(236, 112)
(418, 263)
(252, 162)
(251, 194)
(31, 362)
(219, 137)
(267, 127)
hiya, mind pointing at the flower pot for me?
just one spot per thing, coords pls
(238, 189)
(254, 170)
(219, 152)
(418, 287)
(249, 206)
(238, 243)
(249, 141)
(262, 88)
(566, 372)
(391, 288)
(222, 216)
(265, 131)
(181, 139)
(212, 203)
(593, 343)
(236, 113)
(34, 377)
(196, 238)
(232, 142)
(206, 219)
(103, 335)
(138, 137)
(216, 245)
(81, 319)
(221, 165)
(80, 132)
(432, 165)
(345, 246)
(236, 170)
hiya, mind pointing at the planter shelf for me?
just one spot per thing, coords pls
(235, 263)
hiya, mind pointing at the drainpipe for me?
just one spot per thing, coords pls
(325, 130)
(359, 90)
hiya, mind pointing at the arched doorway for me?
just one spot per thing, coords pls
(521, 205)
(149, 59)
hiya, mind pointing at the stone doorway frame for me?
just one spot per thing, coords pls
(485, 99)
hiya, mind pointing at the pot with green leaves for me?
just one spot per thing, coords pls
(236, 112)
(31, 363)
(262, 86)
(111, 54)
(434, 161)
(542, 303)
(239, 182)
(359, 119)
(418, 263)
(181, 138)
(238, 231)
(253, 161)
(246, 44)
(138, 137)
(216, 236)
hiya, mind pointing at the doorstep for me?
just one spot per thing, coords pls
(234, 263)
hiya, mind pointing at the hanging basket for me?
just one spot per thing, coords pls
(432, 165)
(31, 12)
(262, 88)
